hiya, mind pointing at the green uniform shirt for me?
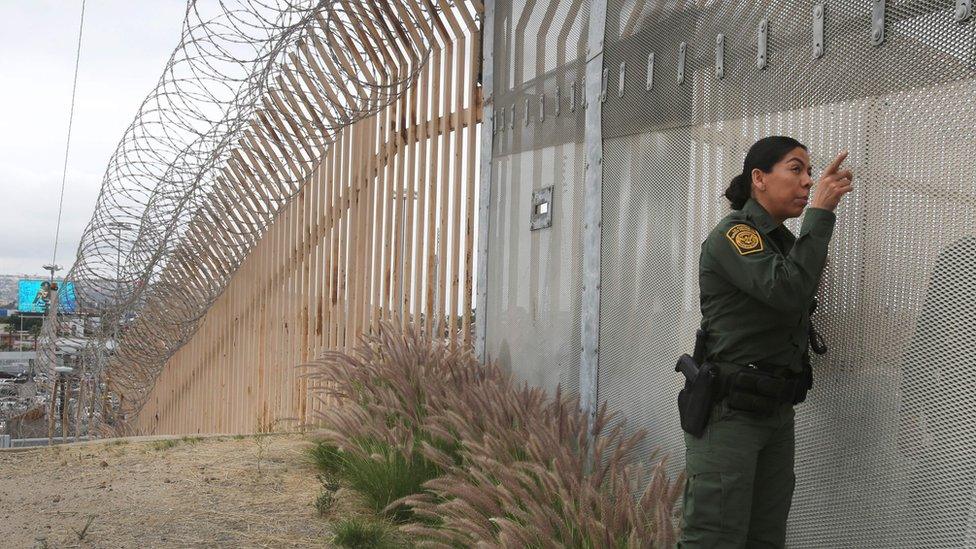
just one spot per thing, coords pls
(757, 284)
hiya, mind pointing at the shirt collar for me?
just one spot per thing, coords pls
(759, 217)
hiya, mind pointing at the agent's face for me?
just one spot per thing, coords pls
(785, 190)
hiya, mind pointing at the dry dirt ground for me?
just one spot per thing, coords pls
(211, 492)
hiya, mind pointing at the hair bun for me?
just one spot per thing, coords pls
(739, 191)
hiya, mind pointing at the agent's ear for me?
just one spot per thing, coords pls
(758, 179)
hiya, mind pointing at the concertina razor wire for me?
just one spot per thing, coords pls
(247, 104)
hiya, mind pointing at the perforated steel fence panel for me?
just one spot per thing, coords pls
(886, 454)
(886, 442)
(535, 276)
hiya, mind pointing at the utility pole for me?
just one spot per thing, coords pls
(49, 346)
(47, 353)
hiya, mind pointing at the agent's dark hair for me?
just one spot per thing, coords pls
(763, 154)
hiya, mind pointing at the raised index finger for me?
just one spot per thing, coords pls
(835, 165)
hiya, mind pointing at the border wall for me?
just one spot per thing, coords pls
(610, 129)
(383, 229)
(627, 118)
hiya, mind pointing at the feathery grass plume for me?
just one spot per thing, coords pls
(510, 465)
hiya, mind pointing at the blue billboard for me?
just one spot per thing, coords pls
(32, 296)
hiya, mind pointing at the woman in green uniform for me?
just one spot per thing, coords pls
(757, 283)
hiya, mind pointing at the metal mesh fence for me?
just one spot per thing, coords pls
(535, 276)
(923, 46)
(538, 68)
(885, 444)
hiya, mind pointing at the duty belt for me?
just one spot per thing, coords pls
(758, 387)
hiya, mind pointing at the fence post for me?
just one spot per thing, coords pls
(484, 195)
(593, 215)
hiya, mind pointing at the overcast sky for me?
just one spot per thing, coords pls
(125, 46)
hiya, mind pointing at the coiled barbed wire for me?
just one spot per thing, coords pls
(247, 105)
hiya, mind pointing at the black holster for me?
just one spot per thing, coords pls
(805, 381)
(696, 399)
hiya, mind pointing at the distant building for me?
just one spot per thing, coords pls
(15, 364)
(71, 326)
(7, 339)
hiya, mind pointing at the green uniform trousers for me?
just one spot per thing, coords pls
(740, 480)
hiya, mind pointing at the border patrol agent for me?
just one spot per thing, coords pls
(758, 283)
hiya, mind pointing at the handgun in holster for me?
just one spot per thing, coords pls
(696, 399)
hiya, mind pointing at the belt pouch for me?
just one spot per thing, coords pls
(756, 391)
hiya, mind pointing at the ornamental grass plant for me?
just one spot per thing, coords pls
(459, 454)
(360, 533)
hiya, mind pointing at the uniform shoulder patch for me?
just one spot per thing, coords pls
(745, 239)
